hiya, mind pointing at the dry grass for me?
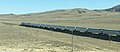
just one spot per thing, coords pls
(23, 39)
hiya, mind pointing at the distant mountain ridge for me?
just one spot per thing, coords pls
(61, 11)
(75, 10)
(70, 11)
(114, 9)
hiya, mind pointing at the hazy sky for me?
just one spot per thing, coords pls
(31, 6)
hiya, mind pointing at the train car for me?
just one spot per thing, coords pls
(111, 32)
(38, 25)
(70, 28)
(43, 25)
(54, 26)
(94, 31)
(81, 29)
(33, 25)
(62, 27)
(28, 24)
(22, 24)
(48, 26)
(25, 24)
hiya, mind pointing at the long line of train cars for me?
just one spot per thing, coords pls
(74, 28)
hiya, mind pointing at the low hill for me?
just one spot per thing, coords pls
(114, 9)
(62, 11)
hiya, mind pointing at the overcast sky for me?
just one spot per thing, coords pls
(31, 6)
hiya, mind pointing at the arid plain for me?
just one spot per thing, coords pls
(24, 39)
